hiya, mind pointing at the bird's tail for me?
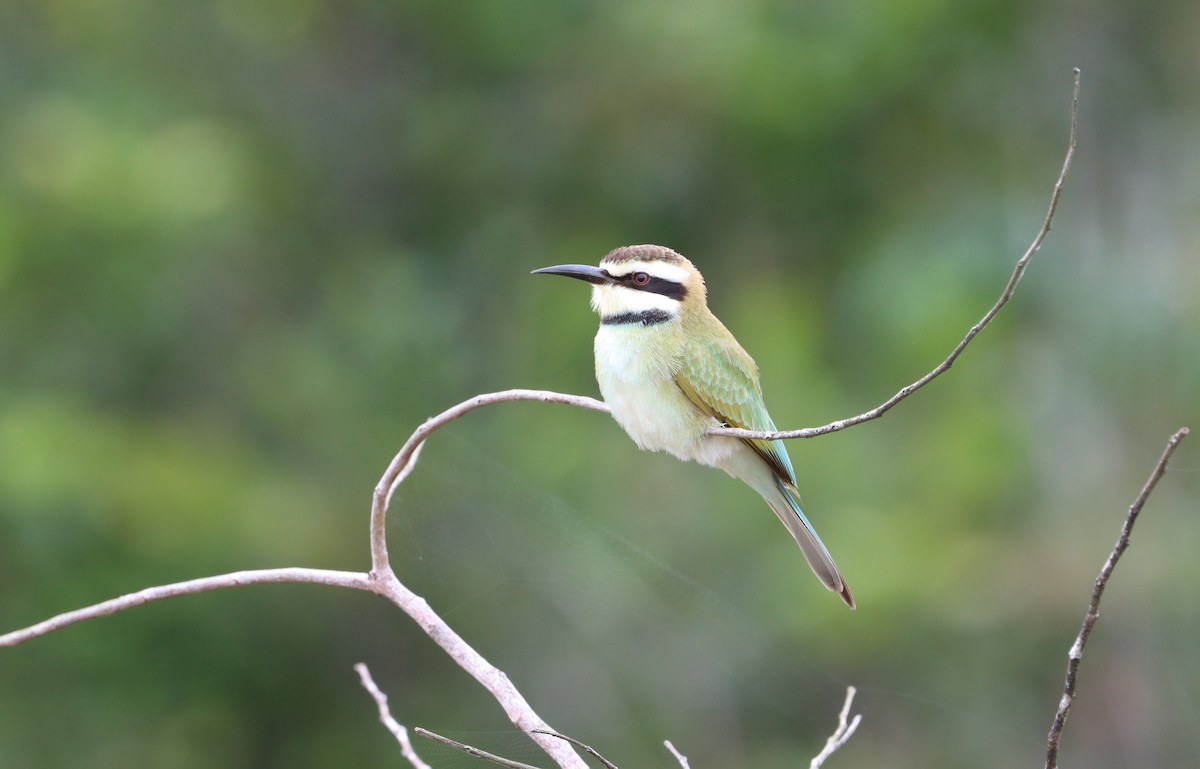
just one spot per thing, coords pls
(784, 503)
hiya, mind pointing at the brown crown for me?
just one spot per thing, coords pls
(645, 253)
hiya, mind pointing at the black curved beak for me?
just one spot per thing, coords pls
(581, 271)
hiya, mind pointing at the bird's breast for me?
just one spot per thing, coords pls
(635, 368)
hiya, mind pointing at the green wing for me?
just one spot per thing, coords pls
(721, 379)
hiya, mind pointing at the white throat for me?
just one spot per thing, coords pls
(608, 300)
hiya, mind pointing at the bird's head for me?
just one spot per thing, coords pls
(639, 284)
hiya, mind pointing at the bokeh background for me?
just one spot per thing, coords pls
(246, 246)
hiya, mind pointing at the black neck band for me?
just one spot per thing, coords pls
(645, 317)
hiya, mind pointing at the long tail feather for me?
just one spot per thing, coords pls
(788, 510)
(750, 467)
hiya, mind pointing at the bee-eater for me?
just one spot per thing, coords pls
(669, 371)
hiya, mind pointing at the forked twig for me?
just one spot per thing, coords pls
(841, 735)
(1093, 611)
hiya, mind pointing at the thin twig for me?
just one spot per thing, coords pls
(1093, 611)
(587, 748)
(402, 476)
(471, 750)
(841, 734)
(682, 759)
(1005, 295)
(348, 579)
(385, 717)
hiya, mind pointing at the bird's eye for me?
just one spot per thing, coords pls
(640, 278)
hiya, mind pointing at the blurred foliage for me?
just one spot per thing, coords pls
(247, 245)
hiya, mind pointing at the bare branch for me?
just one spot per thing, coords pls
(1005, 295)
(491, 678)
(841, 735)
(682, 759)
(381, 580)
(1093, 611)
(385, 717)
(349, 579)
(405, 459)
(387, 584)
(471, 750)
(587, 748)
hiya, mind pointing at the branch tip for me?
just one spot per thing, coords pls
(944, 366)
(1075, 654)
(841, 735)
(682, 759)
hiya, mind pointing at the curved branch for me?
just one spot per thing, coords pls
(944, 366)
(350, 579)
(404, 461)
(1093, 611)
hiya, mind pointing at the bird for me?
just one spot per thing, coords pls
(669, 371)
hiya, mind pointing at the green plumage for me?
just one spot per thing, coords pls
(669, 371)
(722, 380)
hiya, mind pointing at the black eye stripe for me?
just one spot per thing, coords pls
(667, 288)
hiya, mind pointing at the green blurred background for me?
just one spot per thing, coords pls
(246, 246)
